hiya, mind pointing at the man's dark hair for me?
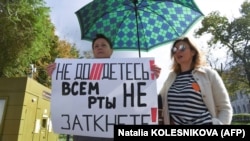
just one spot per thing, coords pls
(98, 36)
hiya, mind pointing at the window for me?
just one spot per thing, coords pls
(3, 104)
(44, 123)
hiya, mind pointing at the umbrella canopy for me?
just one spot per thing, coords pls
(137, 24)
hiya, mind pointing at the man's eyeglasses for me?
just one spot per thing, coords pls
(181, 48)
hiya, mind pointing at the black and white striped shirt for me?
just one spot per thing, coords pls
(186, 106)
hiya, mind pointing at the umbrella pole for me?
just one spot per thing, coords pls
(137, 26)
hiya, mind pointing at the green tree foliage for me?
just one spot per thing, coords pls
(28, 37)
(234, 36)
(25, 36)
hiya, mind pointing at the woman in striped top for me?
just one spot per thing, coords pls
(193, 93)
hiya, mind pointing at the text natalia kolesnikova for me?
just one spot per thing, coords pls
(168, 132)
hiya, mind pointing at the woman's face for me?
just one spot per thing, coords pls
(182, 53)
(102, 49)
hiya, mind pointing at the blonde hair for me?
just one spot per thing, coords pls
(198, 59)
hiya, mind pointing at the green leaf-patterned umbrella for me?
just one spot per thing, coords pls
(137, 24)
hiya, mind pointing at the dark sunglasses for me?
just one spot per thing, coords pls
(181, 48)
